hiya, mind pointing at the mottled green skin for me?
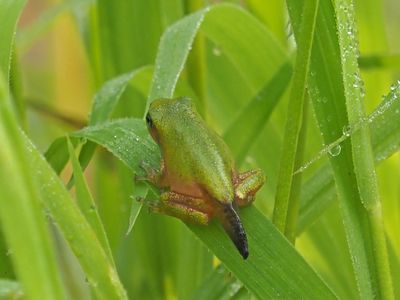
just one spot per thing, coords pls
(197, 161)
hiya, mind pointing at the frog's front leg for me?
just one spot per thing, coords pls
(156, 177)
(186, 208)
(246, 185)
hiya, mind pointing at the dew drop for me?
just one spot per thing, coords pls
(335, 151)
(346, 130)
(216, 51)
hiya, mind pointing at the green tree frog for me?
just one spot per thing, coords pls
(198, 171)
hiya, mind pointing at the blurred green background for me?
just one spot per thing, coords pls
(66, 50)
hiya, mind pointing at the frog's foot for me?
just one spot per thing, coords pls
(246, 185)
(183, 207)
(151, 174)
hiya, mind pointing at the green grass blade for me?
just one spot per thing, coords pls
(171, 57)
(22, 219)
(244, 130)
(318, 192)
(264, 273)
(363, 156)
(329, 102)
(86, 203)
(108, 96)
(77, 231)
(294, 119)
(103, 105)
(127, 139)
(244, 40)
(10, 290)
(10, 11)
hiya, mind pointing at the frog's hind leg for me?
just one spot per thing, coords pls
(188, 209)
(246, 185)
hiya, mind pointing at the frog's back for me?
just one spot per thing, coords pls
(194, 155)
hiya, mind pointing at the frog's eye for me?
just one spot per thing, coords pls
(149, 121)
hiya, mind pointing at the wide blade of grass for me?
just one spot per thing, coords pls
(77, 231)
(174, 55)
(284, 203)
(328, 96)
(104, 102)
(22, 218)
(264, 272)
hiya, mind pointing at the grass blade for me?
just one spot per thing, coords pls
(319, 191)
(244, 130)
(86, 203)
(21, 215)
(363, 156)
(77, 231)
(171, 57)
(327, 94)
(264, 273)
(294, 119)
(10, 11)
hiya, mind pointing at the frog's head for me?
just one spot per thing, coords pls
(166, 113)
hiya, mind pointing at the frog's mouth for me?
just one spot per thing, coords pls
(232, 224)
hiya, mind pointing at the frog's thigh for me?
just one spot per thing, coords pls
(183, 207)
(247, 184)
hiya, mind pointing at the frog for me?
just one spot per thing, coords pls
(198, 178)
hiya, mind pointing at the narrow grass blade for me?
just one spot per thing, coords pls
(363, 156)
(86, 203)
(244, 130)
(10, 11)
(319, 191)
(21, 216)
(264, 273)
(294, 118)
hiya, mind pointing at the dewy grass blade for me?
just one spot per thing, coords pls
(86, 203)
(171, 57)
(265, 272)
(77, 231)
(21, 216)
(327, 94)
(294, 117)
(319, 191)
(363, 156)
(103, 105)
